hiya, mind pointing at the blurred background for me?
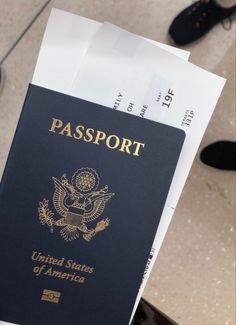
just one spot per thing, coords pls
(193, 280)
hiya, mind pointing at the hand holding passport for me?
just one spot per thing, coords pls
(95, 188)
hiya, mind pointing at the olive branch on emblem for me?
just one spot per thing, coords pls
(46, 215)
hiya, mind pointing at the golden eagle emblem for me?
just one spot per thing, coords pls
(77, 202)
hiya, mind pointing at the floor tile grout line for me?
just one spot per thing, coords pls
(24, 32)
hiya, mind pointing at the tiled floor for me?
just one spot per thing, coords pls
(193, 278)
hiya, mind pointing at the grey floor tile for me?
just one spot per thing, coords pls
(15, 15)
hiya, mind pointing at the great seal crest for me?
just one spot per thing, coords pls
(78, 203)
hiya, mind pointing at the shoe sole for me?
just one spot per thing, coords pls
(205, 166)
(194, 43)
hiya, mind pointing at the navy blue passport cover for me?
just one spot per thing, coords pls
(81, 198)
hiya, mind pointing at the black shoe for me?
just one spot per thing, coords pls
(221, 155)
(196, 20)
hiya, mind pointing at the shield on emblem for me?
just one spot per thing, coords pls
(74, 216)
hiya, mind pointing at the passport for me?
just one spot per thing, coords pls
(81, 197)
